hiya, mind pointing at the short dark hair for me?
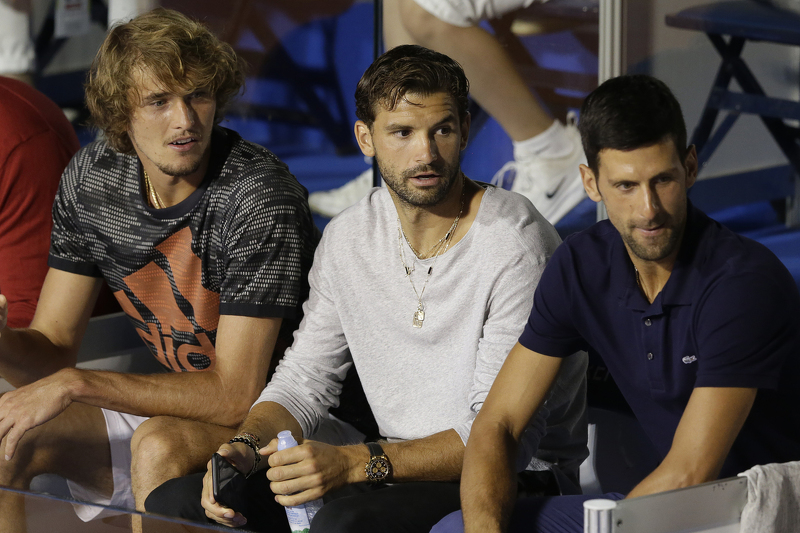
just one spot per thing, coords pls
(409, 69)
(181, 53)
(630, 112)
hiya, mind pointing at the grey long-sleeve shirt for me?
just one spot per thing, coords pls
(420, 381)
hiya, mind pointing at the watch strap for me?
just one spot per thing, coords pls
(375, 449)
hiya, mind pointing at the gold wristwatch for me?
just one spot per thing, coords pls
(378, 468)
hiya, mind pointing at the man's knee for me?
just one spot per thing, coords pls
(156, 450)
(176, 444)
(164, 448)
(420, 24)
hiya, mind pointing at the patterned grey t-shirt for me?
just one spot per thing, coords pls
(241, 244)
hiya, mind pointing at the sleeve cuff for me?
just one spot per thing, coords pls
(258, 310)
(83, 269)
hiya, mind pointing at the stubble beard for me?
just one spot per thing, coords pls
(421, 197)
(176, 171)
(179, 172)
(656, 251)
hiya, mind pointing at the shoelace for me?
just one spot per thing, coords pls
(510, 168)
(499, 179)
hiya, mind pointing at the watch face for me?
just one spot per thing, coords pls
(378, 468)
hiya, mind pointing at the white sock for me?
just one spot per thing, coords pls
(551, 143)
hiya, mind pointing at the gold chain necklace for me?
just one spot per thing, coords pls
(419, 314)
(151, 194)
(427, 254)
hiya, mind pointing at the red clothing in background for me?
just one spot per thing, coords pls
(36, 143)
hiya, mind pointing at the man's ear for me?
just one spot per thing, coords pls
(465, 123)
(691, 166)
(590, 183)
(364, 138)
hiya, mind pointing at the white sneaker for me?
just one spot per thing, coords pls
(554, 186)
(331, 203)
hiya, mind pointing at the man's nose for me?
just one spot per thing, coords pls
(183, 114)
(426, 150)
(650, 203)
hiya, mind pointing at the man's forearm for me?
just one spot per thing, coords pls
(200, 396)
(708, 427)
(52, 341)
(487, 483)
(267, 419)
(221, 395)
(435, 458)
(27, 355)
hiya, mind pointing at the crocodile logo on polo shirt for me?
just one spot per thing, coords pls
(689, 359)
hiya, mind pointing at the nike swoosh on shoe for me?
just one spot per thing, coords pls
(550, 195)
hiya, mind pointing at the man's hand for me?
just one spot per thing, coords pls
(308, 471)
(241, 457)
(30, 406)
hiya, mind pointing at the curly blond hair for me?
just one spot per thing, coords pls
(181, 53)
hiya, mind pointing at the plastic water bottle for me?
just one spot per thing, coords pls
(300, 516)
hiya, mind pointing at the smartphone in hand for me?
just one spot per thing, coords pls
(228, 483)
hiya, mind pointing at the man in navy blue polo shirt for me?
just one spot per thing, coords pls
(699, 327)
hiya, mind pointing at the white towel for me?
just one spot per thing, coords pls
(773, 499)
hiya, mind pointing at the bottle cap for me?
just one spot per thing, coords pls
(286, 440)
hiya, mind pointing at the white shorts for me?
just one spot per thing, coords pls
(120, 427)
(466, 13)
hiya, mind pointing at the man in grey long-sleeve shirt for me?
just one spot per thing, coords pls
(424, 287)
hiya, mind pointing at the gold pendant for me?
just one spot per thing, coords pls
(419, 317)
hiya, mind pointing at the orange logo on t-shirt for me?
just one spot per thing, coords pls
(159, 291)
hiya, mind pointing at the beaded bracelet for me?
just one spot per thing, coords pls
(252, 441)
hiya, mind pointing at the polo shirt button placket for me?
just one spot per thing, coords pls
(653, 345)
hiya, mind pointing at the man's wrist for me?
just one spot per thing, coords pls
(357, 456)
(252, 442)
(73, 384)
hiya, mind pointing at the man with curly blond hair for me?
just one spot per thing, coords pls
(205, 240)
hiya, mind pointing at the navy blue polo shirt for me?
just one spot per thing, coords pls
(729, 316)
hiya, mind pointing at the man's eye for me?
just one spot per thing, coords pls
(445, 130)
(402, 133)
